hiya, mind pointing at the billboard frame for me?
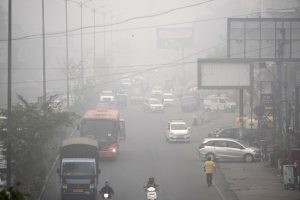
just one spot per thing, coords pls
(278, 39)
(225, 60)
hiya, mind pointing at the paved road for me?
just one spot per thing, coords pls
(146, 153)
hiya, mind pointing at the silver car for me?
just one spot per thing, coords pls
(227, 149)
(153, 105)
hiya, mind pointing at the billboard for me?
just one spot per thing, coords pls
(266, 38)
(224, 74)
(170, 38)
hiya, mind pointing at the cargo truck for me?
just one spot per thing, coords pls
(79, 168)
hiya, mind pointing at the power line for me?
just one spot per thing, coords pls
(138, 72)
(116, 23)
(62, 34)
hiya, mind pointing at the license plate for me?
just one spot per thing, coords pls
(77, 190)
(151, 195)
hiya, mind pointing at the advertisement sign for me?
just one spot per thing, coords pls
(169, 38)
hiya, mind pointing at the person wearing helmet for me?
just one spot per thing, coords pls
(151, 183)
(107, 190)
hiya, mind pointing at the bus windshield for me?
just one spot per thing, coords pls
(105, 131)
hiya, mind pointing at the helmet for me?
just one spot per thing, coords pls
(151, 180)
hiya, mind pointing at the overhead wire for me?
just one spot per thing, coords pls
(178, 60)
(63, 34)
(116, 23)
(151, 69)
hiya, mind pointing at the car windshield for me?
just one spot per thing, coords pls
(78, 168)
(180, 126)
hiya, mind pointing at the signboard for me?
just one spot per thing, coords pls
(175, 38)
(264, 38)
(224, 74)
(267, 100)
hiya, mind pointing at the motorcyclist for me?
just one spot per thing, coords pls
(107, 189)
(151, 183)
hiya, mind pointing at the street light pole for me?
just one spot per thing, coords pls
(67, 55)
(9, 77)
(44, 58)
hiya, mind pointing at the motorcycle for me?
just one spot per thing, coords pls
(151, 193)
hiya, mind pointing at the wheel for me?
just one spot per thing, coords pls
(248, 158)
(211, 155)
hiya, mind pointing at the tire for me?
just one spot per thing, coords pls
(211, 155)
(249, 158)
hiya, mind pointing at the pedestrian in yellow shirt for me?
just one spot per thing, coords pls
(209, 168)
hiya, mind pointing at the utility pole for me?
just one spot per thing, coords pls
(94, 59)
(104, 39)
(44, 58)
(81, 48)
(9, 77)
(280, 81)
(67, 55)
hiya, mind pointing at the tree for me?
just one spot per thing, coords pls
(13, 193)
(35, 126)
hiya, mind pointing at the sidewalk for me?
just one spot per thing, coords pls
(254, 181)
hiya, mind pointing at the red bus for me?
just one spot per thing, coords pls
(106, 127)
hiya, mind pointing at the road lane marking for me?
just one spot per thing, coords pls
(219, 191)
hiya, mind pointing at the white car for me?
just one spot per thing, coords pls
(168, 99)
(107, 97)
(177, 130)
(153, 105)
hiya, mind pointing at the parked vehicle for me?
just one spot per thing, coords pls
(153, 105)
(246, 135)
(177, 130)
(221, 103)
(227, 149)
(78, 168)
(214, 103)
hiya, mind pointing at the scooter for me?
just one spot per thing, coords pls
(151, 193)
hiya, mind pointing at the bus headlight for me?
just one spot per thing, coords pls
(114, 150)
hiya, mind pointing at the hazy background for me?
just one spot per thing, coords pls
(126, 45)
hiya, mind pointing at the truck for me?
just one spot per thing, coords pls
(79, 168)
